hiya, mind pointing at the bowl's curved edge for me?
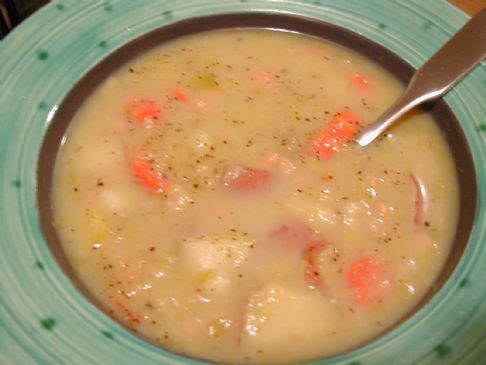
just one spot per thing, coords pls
(309, 26)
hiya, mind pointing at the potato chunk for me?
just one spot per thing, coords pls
(217, 261)
(277, 316)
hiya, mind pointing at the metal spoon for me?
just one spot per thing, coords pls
(456, 58)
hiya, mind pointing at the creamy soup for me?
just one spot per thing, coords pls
(209, 194)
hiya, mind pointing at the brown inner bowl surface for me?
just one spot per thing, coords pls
(75, 98)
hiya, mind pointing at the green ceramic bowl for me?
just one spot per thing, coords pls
(44, 319)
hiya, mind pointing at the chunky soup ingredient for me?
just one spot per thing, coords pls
(337, 134)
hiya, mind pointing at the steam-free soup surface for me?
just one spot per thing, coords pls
(210, 196)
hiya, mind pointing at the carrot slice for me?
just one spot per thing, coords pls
(144, 111)
(244, 178)
(264, 77)
(362, 83)
(179, 95)
(312, 274)
(316, 52)
(365, 276)
(337, 134)
(148, 174)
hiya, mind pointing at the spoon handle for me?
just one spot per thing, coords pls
(451, 62)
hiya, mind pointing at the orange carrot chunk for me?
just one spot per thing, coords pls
(149, 175)
(179, 95)
(144, 111)
(362, 83)
(244, 178)
(264, 77)
(337, 134)
(316, 52)
(366, 277)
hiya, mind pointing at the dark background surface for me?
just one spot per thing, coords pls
(12, 12)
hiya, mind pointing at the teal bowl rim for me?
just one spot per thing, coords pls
(34, 323)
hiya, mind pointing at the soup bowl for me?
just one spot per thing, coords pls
(51, 315)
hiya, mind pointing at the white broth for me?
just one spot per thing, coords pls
(210, 196)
